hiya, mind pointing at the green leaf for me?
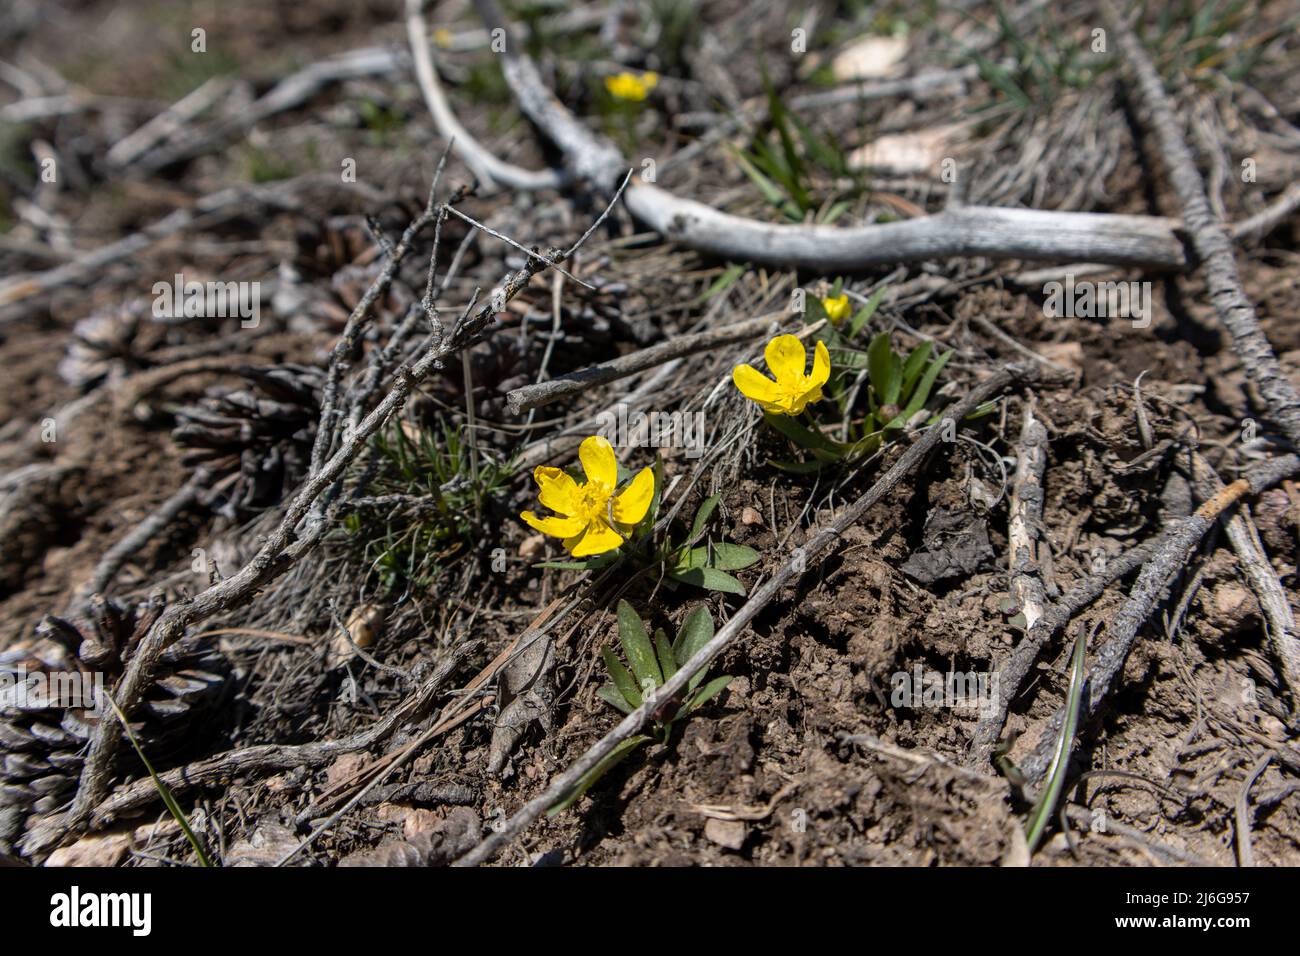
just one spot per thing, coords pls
(724, 281)
(702, 517)
(765, 185)
(711, 579)
(623, 680)
(884, 368)
(865, 313)
(586, 565)
(733, 557)
(834, 212)
(610, 694)
(636, 645)
(664, 651)
(801, 436)
(848, 360)
(696, 631)
(916, 360)
(723, 555)
(615, 756)
(918, 399)
(706, 693)
(814, 311)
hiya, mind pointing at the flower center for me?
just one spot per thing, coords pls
(593, 500)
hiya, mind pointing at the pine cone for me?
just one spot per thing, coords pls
(262, 434)
(107, 343)
(48, 709)
(334, 265)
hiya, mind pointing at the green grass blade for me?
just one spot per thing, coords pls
(1055, 783)
(865, 313)
(168, 800)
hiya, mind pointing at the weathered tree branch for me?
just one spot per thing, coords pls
(1025, 529)
(1145, 241)
(1170, 558)
(1209, 238)
(528, 397)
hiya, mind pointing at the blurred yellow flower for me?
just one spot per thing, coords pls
(629, 86)
(592, 517)
(837, 308)
(442, 37)
(793, 389)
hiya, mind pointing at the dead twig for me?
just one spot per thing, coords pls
(482, 162)
(1025, 529)
(205, 212)
(1165, 562)
(1273, 600)
(1209, 237)
(528, 397)
(121, 552)
(957, 231)
(1241, 813)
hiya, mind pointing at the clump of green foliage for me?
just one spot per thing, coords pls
(650, 664)
(876, 390)
(798, 170)
(1041, 62)
(456, 484)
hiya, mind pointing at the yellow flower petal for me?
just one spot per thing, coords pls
(555, 527)
(797, 405)
(786, 358)
(598, 461)
(837, 308)
(559, 491)
(626, 86)
(821, 370)
(597, 538)
(754, 385)
(649, 79)
(632, 503)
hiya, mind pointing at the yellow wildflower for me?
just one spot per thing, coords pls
(592, 517)
(793, 390)
(629, 86)
(443, 38)
(837, 308)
